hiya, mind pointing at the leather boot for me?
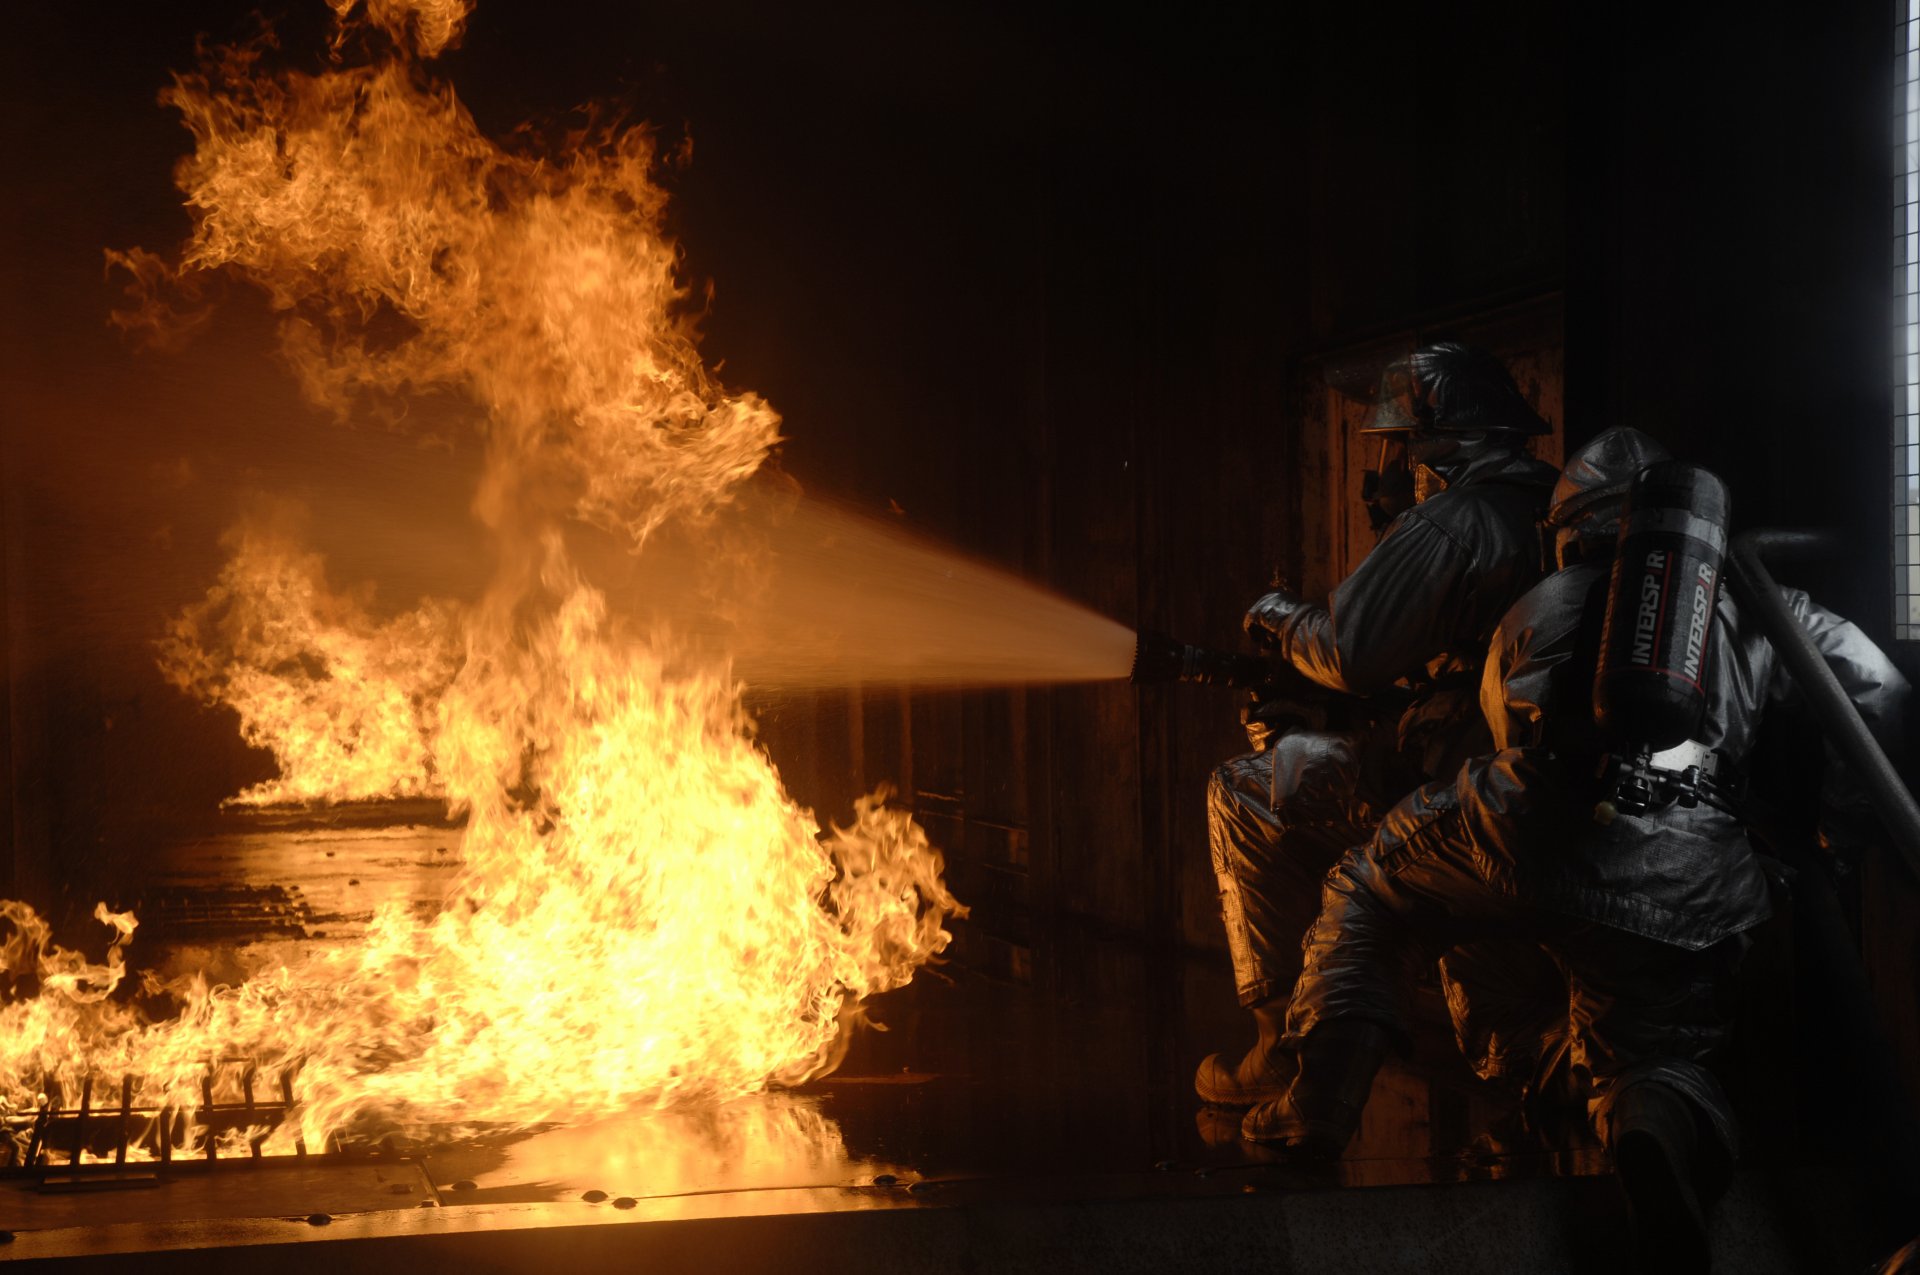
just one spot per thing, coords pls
(1655, 1141)
(1317, 1116)
(1261, 1076)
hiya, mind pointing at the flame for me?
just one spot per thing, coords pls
(345, 703)
(644, 916)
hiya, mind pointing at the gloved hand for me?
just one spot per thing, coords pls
(1265, 717)
(1264, 617)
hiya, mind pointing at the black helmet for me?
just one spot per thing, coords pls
(1447, 387)
(1585, 513)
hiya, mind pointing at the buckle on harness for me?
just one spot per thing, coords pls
(1687, 774)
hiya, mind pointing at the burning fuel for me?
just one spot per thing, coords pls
(644, 915)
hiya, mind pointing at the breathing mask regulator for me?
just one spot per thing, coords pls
(1649, 696)
(1388, 489)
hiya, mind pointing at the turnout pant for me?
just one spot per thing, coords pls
(1636, 1010)
(1276, 822)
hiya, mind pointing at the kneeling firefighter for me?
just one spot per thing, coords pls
(1623, 694)
(1418, 611)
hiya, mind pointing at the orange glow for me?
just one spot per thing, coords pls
(644, 916)
(346, 704)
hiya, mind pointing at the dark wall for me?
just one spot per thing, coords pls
(1731, 252)
(1326, 196)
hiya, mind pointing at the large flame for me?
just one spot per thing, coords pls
(644, 915)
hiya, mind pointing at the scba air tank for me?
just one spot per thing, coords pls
(1649, 691)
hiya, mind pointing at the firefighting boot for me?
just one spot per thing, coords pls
(1655, 1141)
(1317, 1116)
(1261, 1076)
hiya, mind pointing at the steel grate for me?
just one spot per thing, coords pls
(100, 1125)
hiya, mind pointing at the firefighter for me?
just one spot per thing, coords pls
(1644, 911)
(1417, 611)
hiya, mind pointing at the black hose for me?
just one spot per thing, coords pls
(1760, 594)
(1849, 1070)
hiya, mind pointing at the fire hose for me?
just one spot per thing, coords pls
(1759, 593)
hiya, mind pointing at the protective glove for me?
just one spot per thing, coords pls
(1265, 617)
(1265, 717)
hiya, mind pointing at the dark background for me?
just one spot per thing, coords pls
(1068, 289)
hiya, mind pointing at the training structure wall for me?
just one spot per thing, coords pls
(1188, 443)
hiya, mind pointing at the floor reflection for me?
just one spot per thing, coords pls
(759, 1143)
(1078, 1064)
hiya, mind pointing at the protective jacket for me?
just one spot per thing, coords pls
(1680, 875)
(1421, 604)
(1644, 914)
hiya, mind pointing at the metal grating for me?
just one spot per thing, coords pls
(1906, 287)
(85, 1135)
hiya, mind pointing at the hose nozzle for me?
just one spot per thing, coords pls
(1158, 659)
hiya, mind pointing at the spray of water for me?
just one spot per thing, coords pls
(829, 596)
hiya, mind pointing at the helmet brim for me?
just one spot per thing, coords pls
(1527, 429)
(1381, 429)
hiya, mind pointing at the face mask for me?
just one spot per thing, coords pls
(1436, 458)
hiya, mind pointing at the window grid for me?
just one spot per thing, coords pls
(1906, 350)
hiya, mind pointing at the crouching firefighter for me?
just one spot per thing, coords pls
(1623, 694)
(1418, 610)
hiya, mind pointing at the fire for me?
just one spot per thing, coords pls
(644, 916)
(345, 703)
